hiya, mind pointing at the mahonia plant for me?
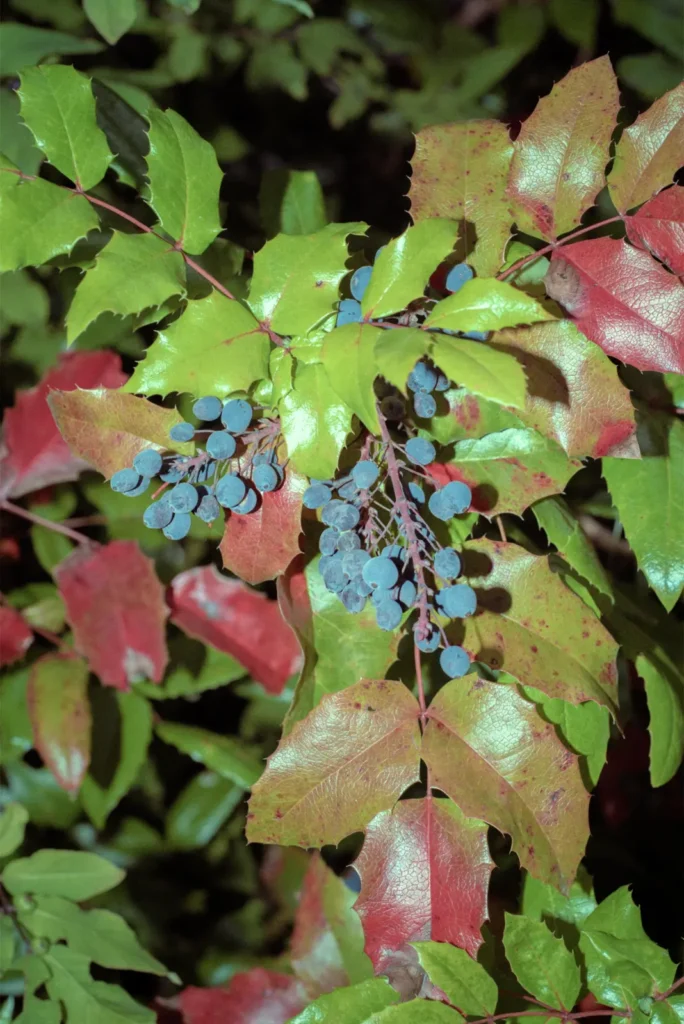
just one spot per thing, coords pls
(361, 422)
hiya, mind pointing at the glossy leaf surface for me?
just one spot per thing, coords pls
(462, 979)
(397, 351)
(348, 354)
(403, 268)
(355, 1004)
(481, 369)
(664, 685)
(73, 874)
(541, 962)
(659, 227)
(58, 705)
(485, 304)
(315, 422)
(565, 533)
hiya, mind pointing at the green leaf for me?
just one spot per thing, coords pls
(46, 803)
(398, 351)
(60, 715)
(111, 18)
(16, 141)
(13, 820)
(88, 1000)
(23, 301)
(214, 347)
(224, 754)
(463, 980)
(403, 268)
(660, 25)
(21, 45)
(650, 74)
(184, 181)
(584, 727)
(58, 105)
(296, 277)
(69, 873)
(120, 110)
(577, 20)
(665, 697)
(291, 202)
(16, 735)
(39, 220)
(566, 534)
(315, 422)
(49, 547)
(562, 914)
(451, 164)
(485, 304)
(425, 1011)
(200, 810)
(481, 369)
(543, 964)
(351, 1005)
(649, 497)
(131, 273)
(348, 357)
(301, 6)
(217, 669)
(274, 63)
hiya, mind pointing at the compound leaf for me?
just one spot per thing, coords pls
(315, 422)
(403, 268)
(485, 304)
(481, 369)
(348, 357)
(542, 963)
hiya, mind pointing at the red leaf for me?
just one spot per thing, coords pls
(623, 300)
(37, 455)
(424, 871)
(115, 605)
(57, 698)
(237, 620)
(15, 635)
(659, 226)
(261, 545)
(255, 997)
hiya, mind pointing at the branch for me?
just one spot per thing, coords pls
(17, 510)
(554, 245)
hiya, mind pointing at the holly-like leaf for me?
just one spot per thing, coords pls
(260, 546)
(485, 304)
(315, 422)
(565, 533)
(649, 152)
(112, 20)
(326, 948)
(106, 429)
(296, 277)
(184, 181)
(425, 872)
(348, 357)
(664, 686)
(650, 502)
(235, 619)
(489, 750)
(58, 105)
(13, 819)
(403, 268)
(585, 728)
(223, 754)
(73, 874)
(37, 455)
(15, 635)
(481, 369)
(562, 150)
(462, 979)
(324, 780)
(543, 964)
(428, 1011)
(57, 698)
(132, 273)
(356, 1004)
(39, 220)
(659, 227)
(115, 605)
(642, 325)
(251, 996)
(460, 171)
(214, 348)
(562, 914)
(71, 983)
(397, 352)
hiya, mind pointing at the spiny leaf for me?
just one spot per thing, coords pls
(69, 873)
(480, 368)
(352, 1005)
(585, 728)
(541, 962)
(184, 181)
(315, 422)
(485, 304)
(397, 352)
(323, 783)
(57, 698)
(292, 202)
(665, 696)
(224, 754)
(462, 979)
(348, 357)
(659, 227)
(403, 268)
(565, 533)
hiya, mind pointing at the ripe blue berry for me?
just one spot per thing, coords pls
(328, 541)
(124, 480)
(349, 312)
(175, 472)
(230, 490)
(424, 405)
(348, 491)
(344, 516)
(442, 383)
(183, 498)
(393, 551)
(140, 489)
(420, 450)
(158, 515)
(179, 526)
(388, 614)
(182, 432)
(208, 509)
(380, 572)
(447, 564)
(407, 593)
(330, 511)
(416, 492)
(458, 601)
(248, 503)
(316, 496)
(208, 408)
(221, 444)
(334, 577)
(458, 276)
(454, 662)
(236, 415)
(422, 378)
(349, 541)
(147, 463)
(359, 282)
(477, 335)
(365, 473)
(458, 495)
(265, 478)
(352, 600)
(354, 561)
(429, 643)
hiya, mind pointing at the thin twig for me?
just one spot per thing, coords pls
(502, 529)
(17, 510)
(554, 245)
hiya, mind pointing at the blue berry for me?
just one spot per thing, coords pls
(230, 490)
(124, 480)
(349, 541)
(388, 614)
(382, 247)
(458, 495)
(330, 511)
(221, 444)
(362, 587)
(440, 506)
(365, 473)
(348, 491)
(422, 378)
(175, 473)
(447, 564)
(147, 463)
(183, 498)
(328, 541)
(344, 516)
(208, 509)
(352, 600)
(349, 312)
(429, 643)
(248, 503)
(334, 577)
(380, 595)
(182, 432)
(208, 408)
(416, 492)
(158, 515)
(454, 662)
(359, 282)
(140, 489)
(206, 472)
(236, 415)
(458, 601)
(458, 276)
(316, 495)
(380, 572)
(442, 383)
(477, 335)
(265, 478)
(420, 450)
(407, 593)
(354, 561)
(424, 405)
(393, 551)
(179, 526)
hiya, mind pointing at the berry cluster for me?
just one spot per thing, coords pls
(238, 463)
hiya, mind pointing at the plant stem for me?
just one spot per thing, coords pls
(17, 510)
(419, 682)
(554, 245)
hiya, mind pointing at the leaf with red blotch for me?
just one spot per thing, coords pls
(492, 753)
(350, 758)
(115, 605)
(58, 706)
(37, 456)
(424, 871)
(459, 171)
(107, 428)
(562, 150)
(257, 996)
(326, 948)
(659, 226)
(237, 620)
(623, 300)
(260, 546)
(15, 635)
(649, 152)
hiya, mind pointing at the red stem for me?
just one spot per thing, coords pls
(17, 510)
(419, 681)
(554, 245)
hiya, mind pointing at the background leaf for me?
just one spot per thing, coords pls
(57, 698)
(566, 534)
(111, 18)
(223, 754)
(70, 873)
